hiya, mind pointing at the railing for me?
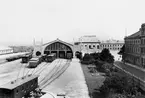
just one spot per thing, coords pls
(136, 79)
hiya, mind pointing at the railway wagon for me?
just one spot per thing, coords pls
(51, 57)
(69, 56)
(34, 62)
(12, 58)
(26, 58)
(19, 88)
(44, 57)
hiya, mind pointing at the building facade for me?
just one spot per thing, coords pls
(87, 44)
(60, 48)
(135, 48)
(112, 45)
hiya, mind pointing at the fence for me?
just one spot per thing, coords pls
(138, 80)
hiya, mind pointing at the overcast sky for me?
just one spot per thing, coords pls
(23, 20)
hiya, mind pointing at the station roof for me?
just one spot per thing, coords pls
(13, 84)
(58, 40)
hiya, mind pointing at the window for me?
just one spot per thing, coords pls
(89, 46)
(17, 91)
(22, 88)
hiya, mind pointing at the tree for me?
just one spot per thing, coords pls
(105, 55)
(87, 57)
(119, 84)
(122, 50)
(95, 55)
(78, 55)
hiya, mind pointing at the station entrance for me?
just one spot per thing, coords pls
(61, 50)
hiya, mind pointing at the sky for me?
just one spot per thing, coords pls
(22, 21)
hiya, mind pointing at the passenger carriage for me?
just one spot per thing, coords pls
(51, 57)
(34, 62)
(26, 58)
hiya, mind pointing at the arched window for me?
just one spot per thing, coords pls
(38, 53)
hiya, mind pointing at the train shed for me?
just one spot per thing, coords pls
(60, 48)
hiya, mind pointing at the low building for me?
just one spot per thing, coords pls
(87, 44)
(112, 44)
(135, 48)
(5, 50)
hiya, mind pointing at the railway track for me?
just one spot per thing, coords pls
(41, 69)
(44, 78)
(37, 70)
(54, 74)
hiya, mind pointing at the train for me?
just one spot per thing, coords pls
(44, 57)
(16, 57)
(34, 62)
(19, 88)
(51, 57)
(26, 58)
(12, 58)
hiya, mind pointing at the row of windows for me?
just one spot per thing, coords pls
(112, 48)
(135, 61)
(132, 50)
(132, 41)
(111, 45)
(143, 50)
(91, 46)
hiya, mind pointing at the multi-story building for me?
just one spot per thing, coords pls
(88, 44)
(135, 48)
(112, 44)
(91, 44)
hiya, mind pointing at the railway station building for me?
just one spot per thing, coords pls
(87, 44)
(60, 48)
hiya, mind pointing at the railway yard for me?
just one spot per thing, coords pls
(62, 76)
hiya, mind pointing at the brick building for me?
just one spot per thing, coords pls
(135, 48)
